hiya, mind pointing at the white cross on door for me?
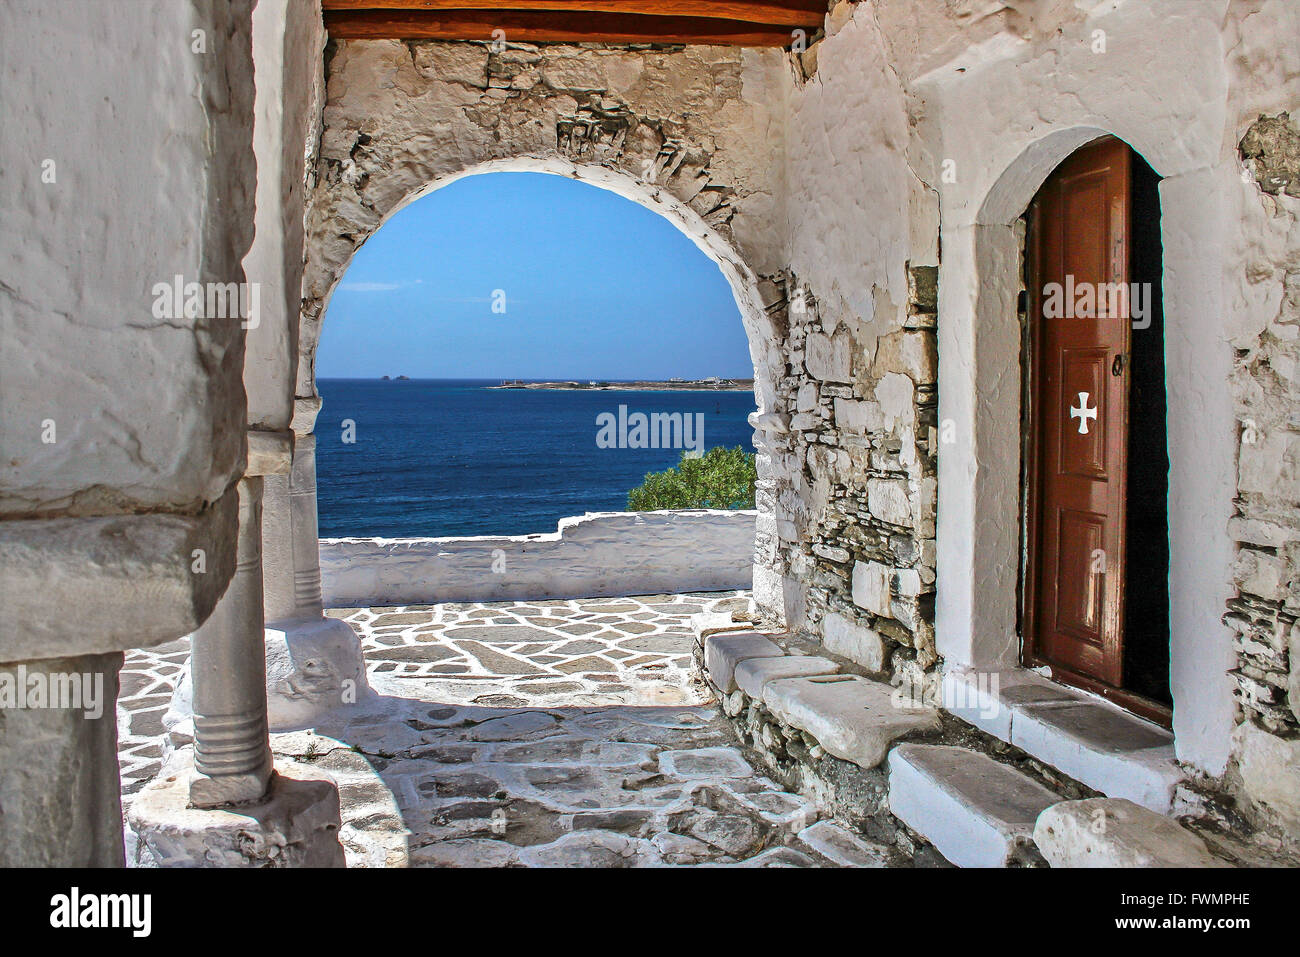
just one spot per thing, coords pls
(1083, 413)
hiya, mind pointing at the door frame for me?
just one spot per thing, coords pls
(979, 347)
(1032, 477)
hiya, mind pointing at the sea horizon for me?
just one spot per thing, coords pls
(450, 457)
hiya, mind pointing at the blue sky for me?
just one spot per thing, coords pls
(595, 287)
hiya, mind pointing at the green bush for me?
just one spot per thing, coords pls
(720, 478)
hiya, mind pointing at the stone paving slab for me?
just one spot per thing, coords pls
(723, 652)
(526, 734)
(1114, 832)
(851, 717)
(754, 673)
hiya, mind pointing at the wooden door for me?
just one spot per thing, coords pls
(1079, 396)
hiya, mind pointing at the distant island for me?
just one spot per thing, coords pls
(400, 378)
(712, 384)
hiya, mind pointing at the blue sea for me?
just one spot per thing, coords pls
(438, 457)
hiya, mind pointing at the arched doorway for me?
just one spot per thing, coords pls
(981, 514)
(1095, 605)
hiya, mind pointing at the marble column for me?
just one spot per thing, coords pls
(232, 750)
(306, 528)
(314, 663)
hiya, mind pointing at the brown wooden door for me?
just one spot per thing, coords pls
(1079, 238)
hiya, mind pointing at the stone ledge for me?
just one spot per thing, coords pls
(713, 623)
(723, 652)
(851, 717)
(753, 673)
(95, 585)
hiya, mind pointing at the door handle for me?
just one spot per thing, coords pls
(1117, 364)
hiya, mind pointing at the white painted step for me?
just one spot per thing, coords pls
(975, 811)
(753, 673)
(1092, 741)
(705, 624)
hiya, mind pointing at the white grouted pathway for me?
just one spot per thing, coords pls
(555, 733)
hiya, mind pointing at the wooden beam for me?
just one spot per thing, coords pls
(793, 13)
(538, 27)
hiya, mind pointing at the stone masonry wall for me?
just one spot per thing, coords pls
(693, 132)
(1266, 526)
(1264, 613)
(855, 431)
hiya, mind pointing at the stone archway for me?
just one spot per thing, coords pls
(331, 260)
(403, 119)
(762, 337)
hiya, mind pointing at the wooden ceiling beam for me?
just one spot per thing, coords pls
(792, 13)
(542, 27)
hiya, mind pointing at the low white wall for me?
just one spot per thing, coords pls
(599, 554)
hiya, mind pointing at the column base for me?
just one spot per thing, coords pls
(206, 792)
(312, 666)
(296, 824)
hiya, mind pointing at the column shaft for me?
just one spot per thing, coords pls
(232, 750)
(306, 535)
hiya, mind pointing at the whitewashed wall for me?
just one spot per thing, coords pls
(599, 554)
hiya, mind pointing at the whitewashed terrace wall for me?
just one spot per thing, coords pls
(600, 554)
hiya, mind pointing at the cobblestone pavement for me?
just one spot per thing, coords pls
(559, 733)
(149, 676)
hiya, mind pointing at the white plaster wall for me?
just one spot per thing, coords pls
(593, 555)
(151, 145)
(146, 137)
(852, 194)
(288, 43)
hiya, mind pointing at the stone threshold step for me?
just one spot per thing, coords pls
(1091, 740)
(976, 811)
